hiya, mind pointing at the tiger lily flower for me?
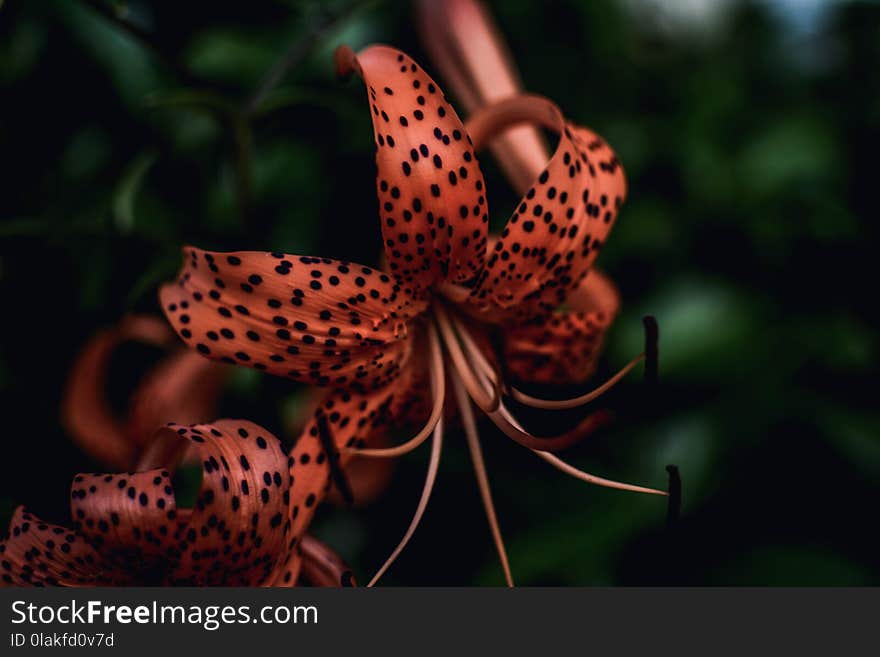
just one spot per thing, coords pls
(385, 343)
(180, 385)
(128, 529)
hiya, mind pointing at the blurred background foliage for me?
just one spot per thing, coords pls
(749, 133)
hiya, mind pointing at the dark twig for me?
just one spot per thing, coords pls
(673, 508)
(336, 472)
(298, 51)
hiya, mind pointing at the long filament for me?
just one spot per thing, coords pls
(486, 397)
(436, 448)
(473, 440)
(503, 419)
(568, 469)
(560, 404)
(476, 354)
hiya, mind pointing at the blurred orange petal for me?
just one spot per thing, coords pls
(183, 386)
(86, 411)
(469, 51)
(565, 347)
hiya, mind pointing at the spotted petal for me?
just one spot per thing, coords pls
(431, 193)
(559, 226)
(564, 347)
(316, 320)
(237, 531)
(349, 419)
(37, 553)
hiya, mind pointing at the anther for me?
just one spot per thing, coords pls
(337, 474)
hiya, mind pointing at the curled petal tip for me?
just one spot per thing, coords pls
(346, 62)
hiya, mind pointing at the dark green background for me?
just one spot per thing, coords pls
(750, 146)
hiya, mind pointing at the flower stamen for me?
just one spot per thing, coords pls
(431, 477)
(485, 394)
(473, 440)
(574, 402)
(503, 419)
(477, 356)
(488, 380)
(570, 470)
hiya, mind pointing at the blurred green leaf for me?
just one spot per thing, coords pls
(132, 68)
(87, 152)
(245, 382)
(189, 98)
(231, 57)
(20, 53)
(162, 269)
(580, 548)
(187, 482)
(128, 188)
(790, 565)
(702, 325)
(789, 151)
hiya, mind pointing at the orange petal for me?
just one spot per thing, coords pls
(431, 192)
(322, 566)
(39, 554)
(353, 419)
(470, 52)
(315, 320)
(130, 518)
(367, 477)
(237, 532)
(554, 236)
(85, 410)
(564, 347)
